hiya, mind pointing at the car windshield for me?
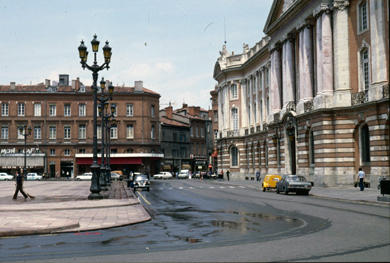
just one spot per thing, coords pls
(141, 177)
(296, 179)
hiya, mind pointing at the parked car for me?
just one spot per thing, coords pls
(34, 177)
(293, 183)
(120, 174)
(270, 181)
(141, 181)
(213, 176)
(163, 175)
(6, 177)
(116, 176)
(184, 174)
(84, 177)
(196, 175)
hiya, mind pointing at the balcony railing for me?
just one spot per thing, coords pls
(360, 97)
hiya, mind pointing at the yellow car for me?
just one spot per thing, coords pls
(270, 181)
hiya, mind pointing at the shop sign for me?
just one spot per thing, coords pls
(10, 151)
(200, 167)
(200, 162)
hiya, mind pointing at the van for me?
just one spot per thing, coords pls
(184, 174)
(270, 181)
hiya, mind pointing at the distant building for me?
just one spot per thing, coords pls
(310, 98)
(61, 118)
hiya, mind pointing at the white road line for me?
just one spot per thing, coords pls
(170, 188)
(191, 187)
(211, 187)
(180, 187)
(221, 187)
(200, 186)
(241, 186)
(231, 186)
(161, 188)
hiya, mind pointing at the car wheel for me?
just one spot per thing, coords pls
(147, 189)
(264, 188)
(277, 190)
(7, 179)
(78, 179)
(285, 191)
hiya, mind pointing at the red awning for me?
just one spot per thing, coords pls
(123, 160)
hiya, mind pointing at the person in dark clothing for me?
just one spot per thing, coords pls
(227, 174)
(19, 186)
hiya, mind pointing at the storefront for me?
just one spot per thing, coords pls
(10, 161)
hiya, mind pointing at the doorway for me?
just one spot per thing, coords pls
(292, 146)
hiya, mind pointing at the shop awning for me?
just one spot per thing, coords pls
(88, 161)
(166, 167)
(186, 166)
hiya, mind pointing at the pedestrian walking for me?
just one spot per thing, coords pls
(258, 175)
(19, 186)
(227, 174)
(361, 177)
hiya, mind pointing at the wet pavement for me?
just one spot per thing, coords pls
(63, 206)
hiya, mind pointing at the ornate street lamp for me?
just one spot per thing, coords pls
(109, 125)
(25, 132)
(95, 68)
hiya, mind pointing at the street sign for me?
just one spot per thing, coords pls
(210, 166)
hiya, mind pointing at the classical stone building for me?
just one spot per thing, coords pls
(311, 97)
(61, 120)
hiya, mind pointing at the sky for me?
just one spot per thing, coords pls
(171, 45)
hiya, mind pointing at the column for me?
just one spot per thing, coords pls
(220, 120)
(227, 111)
(276, 82)
(327, 53)
(319, 52)
(262, 80)
(250, 83)
(288, 71)
(307, 92)
(301, 62)
(243, 117)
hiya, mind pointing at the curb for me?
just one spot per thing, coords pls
(25, 232)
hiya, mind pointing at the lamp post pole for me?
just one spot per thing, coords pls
(25, 132)
(109, 125)
(95, 68)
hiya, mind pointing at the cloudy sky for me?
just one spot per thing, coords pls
(170, 45)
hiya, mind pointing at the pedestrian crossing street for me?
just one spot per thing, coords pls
(202, 187)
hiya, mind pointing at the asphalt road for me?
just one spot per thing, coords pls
(201, 221)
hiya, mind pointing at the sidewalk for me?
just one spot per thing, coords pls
(65, 207)
(347, 193)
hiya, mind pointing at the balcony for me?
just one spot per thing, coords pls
(359, 98)
(232, 133)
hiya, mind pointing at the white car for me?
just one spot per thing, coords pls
(115, 176)
(34, 177)
(6, 177)
(84, 177)
(184, 174)
(163, 175)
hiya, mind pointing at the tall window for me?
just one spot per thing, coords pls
(82, 131)
(67, 110)
(37, 109)
(255, 112)
(311, 138)
(52, 152)
(130, 131)
(261, 110)
(201, 132)
(152, 111)
(183, 152)
(192, 131)
(365, 143)
(67, 152)
(267, 113)
(67, 132)
(21, 109)
(152, 132)
(4, 133)
(215, 134)
(114, 133)
(235, 119)
(174, 153)
(99, 132)
(52, 132)
(233, 91)
(129, 110)
(197, 131)
(259, 154)
(4, 109)
(266, 155)
(201, 150)
(116, 109)
(249, 115)
(215, 115)
(182, 137)
(82, 110)
(234, 156)
(37, 133)
(363, 18)
(52, 110)
(365, 69)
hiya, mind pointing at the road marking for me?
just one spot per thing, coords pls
(200, 186)
(191, 187)
(241, 186)
(221, 187)
(161, 188)
(144, 198)
(211, 187)
(180, 187)
(11, 237)
(231, 186)
(170, 188)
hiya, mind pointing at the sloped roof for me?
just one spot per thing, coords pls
(165, 120)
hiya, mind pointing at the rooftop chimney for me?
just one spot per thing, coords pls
(74, 84)
(47, 83)
(12, 86)
(168, 112)
(138, 85)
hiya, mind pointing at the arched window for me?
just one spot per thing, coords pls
(311, 147)
(234, 156)
(365, 144)
(235, 119)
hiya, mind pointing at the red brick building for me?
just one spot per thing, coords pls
(61, 119)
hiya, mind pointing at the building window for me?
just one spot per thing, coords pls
(365, 144)
(4, 109)
(261, 111)
(130, 131)
(278, 159)
(52, 132)
(67, 110)
(365, 69)
(215, 116)
(267, 77)
(174, 153)
(52, 152)
(82, 110)
(235, 119)
(259, 155)
(215, 134)
(129, 110)
(183, 152)
(37, 133)
(192, 131)
(249, 115)
(197, 131)
(116, 109)
(82, 132)
(67, 132)
(267, 106)
(37, 109)
(311, 149)
(233, 91)
(152, 132)
(182, 137)
(174, 137)
(67, 152)
(255, 112)
(201, 150)
(81, 150)
(114, 132)
(266, 155)
(363, 16)
(201, 132)
(234, 156)
(99, 132)
(152, 111)
(20, 134)
(52, 110)
(21, 109)
(4, 133)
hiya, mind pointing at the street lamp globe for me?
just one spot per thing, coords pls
(95, 44)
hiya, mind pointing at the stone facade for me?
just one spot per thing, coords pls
(312, 96)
